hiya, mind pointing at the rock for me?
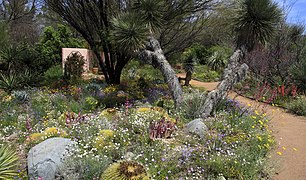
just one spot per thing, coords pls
(45, 158)
(198, 127)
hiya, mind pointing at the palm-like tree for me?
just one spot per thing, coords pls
(255, 22)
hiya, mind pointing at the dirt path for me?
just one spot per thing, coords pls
(289, 156)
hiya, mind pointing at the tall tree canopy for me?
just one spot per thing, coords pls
(120, 28)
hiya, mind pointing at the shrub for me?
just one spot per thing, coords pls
(53, 74)
(298, 106)
(83, 167)
(298, 73)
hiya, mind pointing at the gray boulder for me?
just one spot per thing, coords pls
(45, 158)
(198, 127)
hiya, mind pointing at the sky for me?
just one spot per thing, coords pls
(296, 9)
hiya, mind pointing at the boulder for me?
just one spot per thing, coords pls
(45, 158)
(198, 127)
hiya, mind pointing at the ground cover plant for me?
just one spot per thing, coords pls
(136, 129)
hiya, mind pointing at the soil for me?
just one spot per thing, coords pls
(288, 158)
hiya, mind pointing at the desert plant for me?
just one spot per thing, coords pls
(125, 170)
(9, 82)
(21, 96)
(192, 103)
(218, 60)
(8, 162)
(162, 129)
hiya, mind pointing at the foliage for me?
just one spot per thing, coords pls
(125, 170)
(89, 166)
(255, 22)
(298, 106)
(204, 74)
(129, 33)
(218, 59)
(298, 73)
(74, 66)
(192, 103)
(53, 74)
(157, 16)
(9, 82)
(54, 39)
(8, 162)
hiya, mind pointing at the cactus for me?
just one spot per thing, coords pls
(125, 170)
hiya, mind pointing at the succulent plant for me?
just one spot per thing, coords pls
(125, 170)
(21, 96)
(8, 163)
(162, 129)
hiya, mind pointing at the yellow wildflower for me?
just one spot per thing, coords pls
(279, 153)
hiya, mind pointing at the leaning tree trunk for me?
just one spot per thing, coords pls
(153, 54)
(233, 73)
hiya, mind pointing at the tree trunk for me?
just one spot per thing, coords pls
(233, 73)
(154, 55)
(188, 78)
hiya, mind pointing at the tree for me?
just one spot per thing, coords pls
(122, 29)
(255, 24)
(19, 16)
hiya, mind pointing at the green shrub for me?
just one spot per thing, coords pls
(204, 74)
(53, 74)
(298, 106)
(298, 73)
(87, 167)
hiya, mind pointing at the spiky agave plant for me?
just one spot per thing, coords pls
(8, 163)
(125, 170)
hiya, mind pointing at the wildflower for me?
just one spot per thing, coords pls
(279, 153)
(284, 148)
(294, 149)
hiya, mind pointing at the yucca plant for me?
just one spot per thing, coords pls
(8, 163)
(9, 82)
(129, 33)
(255, 22)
